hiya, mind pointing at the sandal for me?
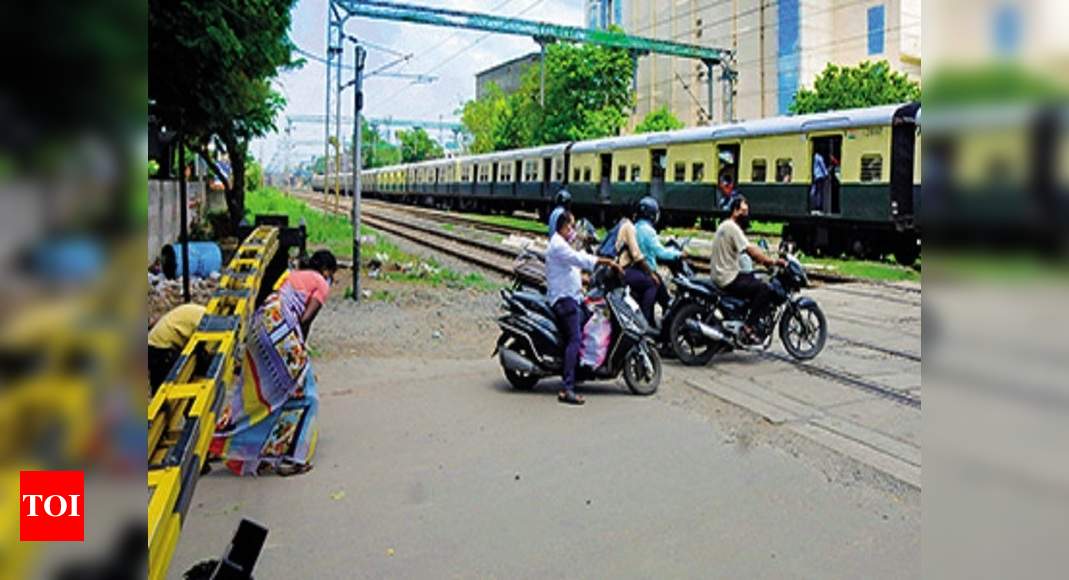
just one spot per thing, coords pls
(288, 469)
(570, 397)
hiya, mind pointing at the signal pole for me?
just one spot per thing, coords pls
(358, 104)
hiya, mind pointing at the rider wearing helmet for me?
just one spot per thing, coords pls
(647, 214)
(562, 202)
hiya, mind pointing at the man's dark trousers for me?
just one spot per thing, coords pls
(750, 288)
(570, 319)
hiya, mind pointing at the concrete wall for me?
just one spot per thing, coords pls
(164, 212)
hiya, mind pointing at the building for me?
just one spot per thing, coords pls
(506, 75)
(780, 46)
(601, 14)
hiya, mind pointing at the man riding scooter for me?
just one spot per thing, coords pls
(564, 291)
(731, 242)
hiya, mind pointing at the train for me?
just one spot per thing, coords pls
(875, 194)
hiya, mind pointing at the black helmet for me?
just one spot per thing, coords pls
(563, 198)
(648, 209)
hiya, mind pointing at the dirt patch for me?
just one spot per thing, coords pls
(405, 319)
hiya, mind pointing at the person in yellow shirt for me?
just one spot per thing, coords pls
(167, 339)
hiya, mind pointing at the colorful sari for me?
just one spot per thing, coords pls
(269, 416)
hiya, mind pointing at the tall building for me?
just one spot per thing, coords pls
(780, 46)
(601, 14)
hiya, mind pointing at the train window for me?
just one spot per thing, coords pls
(680, 171)
(621, 173)
(697, 172)
(871, 168)
(559, 164)
(784, 170)
(586, 175)
(636, 172)
(759, 171)
(575, 174)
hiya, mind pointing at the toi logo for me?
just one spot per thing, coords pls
(52, 506)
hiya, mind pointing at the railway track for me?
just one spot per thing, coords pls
(849, 379)
(876, 348)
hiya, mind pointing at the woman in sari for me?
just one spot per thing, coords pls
(269, 418)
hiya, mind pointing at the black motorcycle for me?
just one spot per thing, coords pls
(706, 321)
(531, 347)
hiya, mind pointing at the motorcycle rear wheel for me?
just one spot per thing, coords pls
(640, 380)
(691, 350)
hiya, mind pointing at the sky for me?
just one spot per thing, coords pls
(453, 55)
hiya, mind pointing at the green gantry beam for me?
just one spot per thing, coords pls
(537, 30)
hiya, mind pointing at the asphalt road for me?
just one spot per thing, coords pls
(437, 469)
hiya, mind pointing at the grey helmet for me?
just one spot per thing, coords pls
(563, 198)
(648, 208)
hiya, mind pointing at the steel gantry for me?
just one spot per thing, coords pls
(544, 32)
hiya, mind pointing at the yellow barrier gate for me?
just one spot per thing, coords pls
(183, 412)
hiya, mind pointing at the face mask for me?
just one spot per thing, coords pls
(570, 236)
(743, 221)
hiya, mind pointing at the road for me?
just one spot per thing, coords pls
(438, 469)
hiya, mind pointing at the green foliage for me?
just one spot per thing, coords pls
(254, 174)
(866, 85)
(479, 116)
(993, 84)
(210, 68)
(417, 145)
(375, 151)
(659, 120)
(588, 95)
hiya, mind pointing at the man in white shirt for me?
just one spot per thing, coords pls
(730, 242)
(564, 289)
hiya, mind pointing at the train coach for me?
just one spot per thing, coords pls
(873, 156)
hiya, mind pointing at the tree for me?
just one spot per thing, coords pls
(481, 116)
(417, 145)
(866, 85)
(587, 95)
(210, 71)
(374, 150)
(659, 120)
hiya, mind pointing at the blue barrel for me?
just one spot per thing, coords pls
(204, 258)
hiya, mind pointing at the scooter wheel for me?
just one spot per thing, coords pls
(642, 378)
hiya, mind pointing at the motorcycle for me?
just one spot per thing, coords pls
(707, 321)
(531, 347)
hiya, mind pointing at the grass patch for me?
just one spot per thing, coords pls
(335, 233)
(864, 269)
(527, 225)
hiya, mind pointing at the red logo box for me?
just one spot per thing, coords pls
(51, 506)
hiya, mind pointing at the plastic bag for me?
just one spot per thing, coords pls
(596, 335)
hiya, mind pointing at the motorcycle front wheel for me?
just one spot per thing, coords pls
(691, 349)
(642, 370)
(803, 331)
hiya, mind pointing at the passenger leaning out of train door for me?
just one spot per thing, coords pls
(562, 202)
(726, 185)
(729, 243)
(649, 244)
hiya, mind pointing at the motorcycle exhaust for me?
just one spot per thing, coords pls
(705, 330)
(514, 361)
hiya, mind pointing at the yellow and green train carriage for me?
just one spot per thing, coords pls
(872, 203)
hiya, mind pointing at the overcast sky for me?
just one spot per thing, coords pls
(452, 55)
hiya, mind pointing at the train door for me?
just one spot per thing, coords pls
(658, 163)
(606, 173)
(830, 148)
(547, 175)
(727, 169)
(517, 176)
(493, 178)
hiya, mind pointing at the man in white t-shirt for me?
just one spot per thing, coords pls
(730, 242)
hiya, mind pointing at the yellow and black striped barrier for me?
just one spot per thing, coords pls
(183, 412)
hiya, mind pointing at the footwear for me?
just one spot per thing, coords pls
(570, 398)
